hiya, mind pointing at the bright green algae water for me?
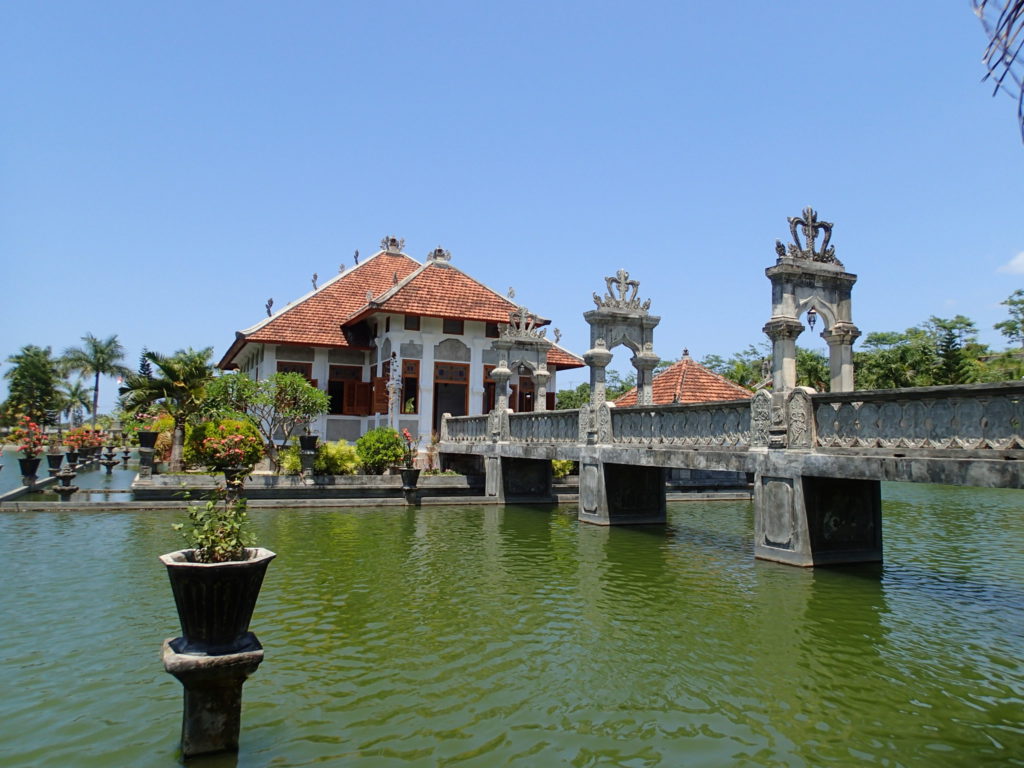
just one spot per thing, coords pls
(516, 636)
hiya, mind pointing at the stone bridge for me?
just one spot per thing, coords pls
(817, 458)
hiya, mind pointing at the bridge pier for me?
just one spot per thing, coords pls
(804, 520)
(511, 479)
(620, 494)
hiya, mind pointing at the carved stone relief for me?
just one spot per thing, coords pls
(452, 349)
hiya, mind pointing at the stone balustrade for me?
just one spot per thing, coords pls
(720, 425)
(465, 429)
(545, 426)
(962, 417)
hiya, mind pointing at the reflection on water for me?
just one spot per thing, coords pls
(515, 636)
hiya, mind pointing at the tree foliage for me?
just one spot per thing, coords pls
(277, 405)
(96, 357)
(1003, 21)
(33, 385)
(179, 386)
(1013, 328)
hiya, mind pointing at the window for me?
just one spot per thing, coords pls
(491, 331)
(412, 322)
(306, 369)
(454, 327)
(387, 324)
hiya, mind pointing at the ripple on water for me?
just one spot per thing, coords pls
(473, 636)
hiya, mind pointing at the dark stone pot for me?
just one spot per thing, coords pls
(409, 478)
(29, 467)
(147, 439)
(307, 442)
(72, 457)
(215, 601)
(234, 474)
(53, 460)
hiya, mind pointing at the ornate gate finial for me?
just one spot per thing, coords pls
(522, 325)
(810, 226)
(622, 294)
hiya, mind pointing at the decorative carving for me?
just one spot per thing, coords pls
(511, 293)
(315, 276)
(522, 324)
(603, 423)
(586, 424)
(810, 226)
(439, 254)
(760, 418)
(557, 334)
(800, 419)
(392, 244)
(269, 307)
(622, 294)
(355, 257)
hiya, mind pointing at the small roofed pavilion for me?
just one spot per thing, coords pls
(687, 381)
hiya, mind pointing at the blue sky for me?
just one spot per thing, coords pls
(165, 168)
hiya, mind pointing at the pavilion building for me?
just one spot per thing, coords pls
(687, 381)
(431, 319)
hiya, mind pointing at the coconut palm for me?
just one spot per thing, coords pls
(74, 397)
(179, 386)
(96, 357)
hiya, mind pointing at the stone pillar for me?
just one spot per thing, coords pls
(494, 480)
(213, 696)
(645, 362)
(783, 333)
(840, 340)
(541, 378)
(597, 359)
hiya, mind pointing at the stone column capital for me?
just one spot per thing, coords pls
(841, 334)
(783, 328)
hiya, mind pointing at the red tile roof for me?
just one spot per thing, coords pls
(440, 290)
(561, 359)
(689, 382)
(316, 320)
(434, 289)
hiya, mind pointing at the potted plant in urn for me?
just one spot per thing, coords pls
(31, 441)
(410, 474)
(216, 580)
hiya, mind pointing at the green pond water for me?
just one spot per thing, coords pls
(515, 636)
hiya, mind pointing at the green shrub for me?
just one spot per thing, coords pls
(561, 467)
(331, 459)
(379, 449)
(217, 530)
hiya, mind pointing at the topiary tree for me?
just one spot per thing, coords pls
(379, 449)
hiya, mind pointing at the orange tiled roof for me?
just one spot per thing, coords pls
(316, 320)
(689, 382)
(562, 359)
(441, 290)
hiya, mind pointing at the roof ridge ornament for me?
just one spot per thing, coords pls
(439, 254)
(810, 226)
(622, 294)
(392, 244)
(522, 324)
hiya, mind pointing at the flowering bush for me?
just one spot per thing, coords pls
(29, 437)
(75, 439)
(227, 443)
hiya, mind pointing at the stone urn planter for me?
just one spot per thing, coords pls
(215, 601)
(29, 467)
(147, 439)
(307, 442)
(72, 457)
(409, 478)
(54, 460)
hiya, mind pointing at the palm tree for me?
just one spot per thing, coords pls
(97, 357)
(74, 398)
(179, 386)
